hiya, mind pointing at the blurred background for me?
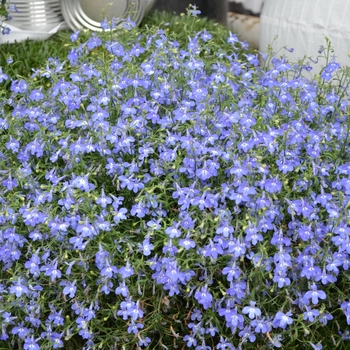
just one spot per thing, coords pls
(214, 9)
(242, 16)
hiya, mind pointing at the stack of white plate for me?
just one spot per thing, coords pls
(35, 14)
(90, 13)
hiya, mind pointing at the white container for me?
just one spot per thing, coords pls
(40, 33)
(35, 13)
(34, 19)
(89, 14)
(303, 25)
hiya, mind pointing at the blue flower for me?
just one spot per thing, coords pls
(13, 145)
(252, 311)
(187, 243)
(173, 231)
(204, 297)
(122, 289)
(232, 271)
(260, 326)
(85, 229)
(317, 346)
(232, 38)
(69, 288)
(196, 315)
(9, 59)
(120, 215)
(31, 344)
(126, 271)
(213, 250)
(212, 330)
(135, 327)
(205, 35)
(56, 317)
(20, 330)
(273, 185)
(19, 287)
(193, 10)
(281, 278)
(52, 271)
(233, 319)
(282, 319)
(82, 183)
(144, 341)
(108, 270)
(314, 294)
(324, 317)
(18, 86)
(93, 42)
(246, 333)
(89, 313)
(139, 210)
(33, 265)
(5, 30)
(10, 183)
(74, 36)
(310, 314)
(146, 247)
(190, 340)
(224, 344)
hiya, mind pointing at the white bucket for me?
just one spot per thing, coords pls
(34, 19)
(34, 14)
(303, 25)
(18, 34)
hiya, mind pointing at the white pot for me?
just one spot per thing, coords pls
(303, 25)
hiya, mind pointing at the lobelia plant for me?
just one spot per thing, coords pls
(160, 196)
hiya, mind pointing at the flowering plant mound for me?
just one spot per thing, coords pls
(161, 196)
